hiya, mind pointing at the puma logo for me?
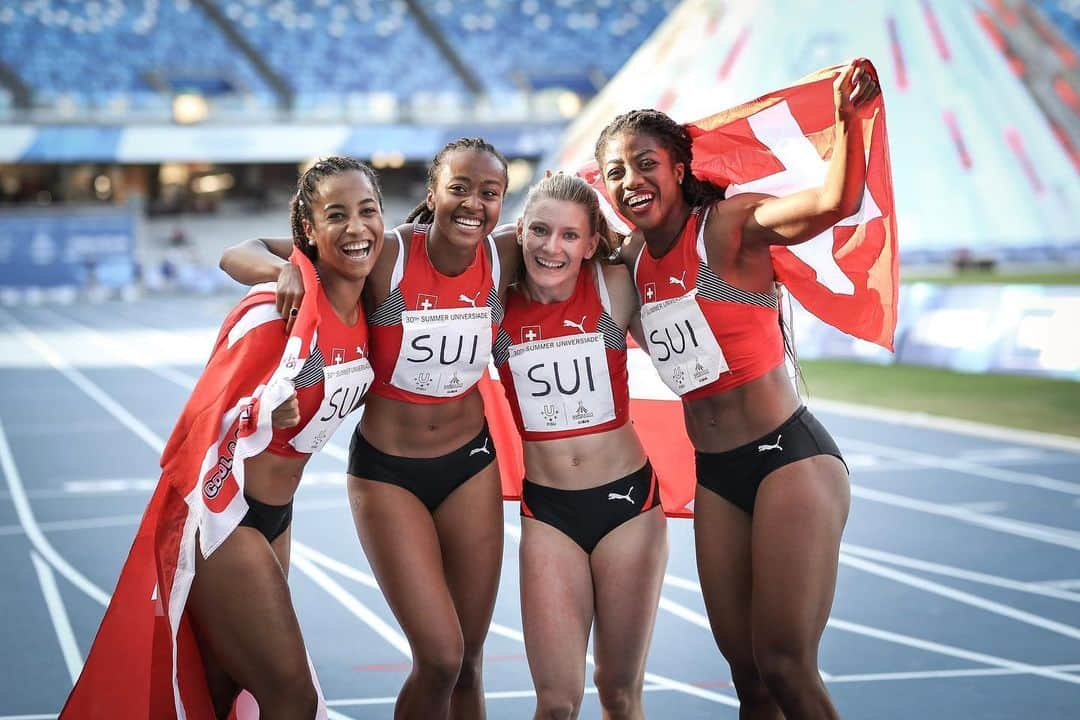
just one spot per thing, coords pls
(626, 497)
(471, 300)
(482, 449)
(672, 280)
(580, 326)
(775, 446)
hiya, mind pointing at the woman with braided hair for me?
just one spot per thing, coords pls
(423, 485)
(220, 559)
(772, 495)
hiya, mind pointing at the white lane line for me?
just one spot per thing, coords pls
(129, 353)
(33, 530)
(984, 431)
(941, 674)
(130, 356)
(960, 573)
(84, 524)
(987, 507)
(369, 617)
(910, 641)
(1065, 584)
(965, 467)
(61, 622)
(337, 566)
(960, 596)
(80, 381)
(1032, 531)
(494, 695)
(515, 533)
(951, 651)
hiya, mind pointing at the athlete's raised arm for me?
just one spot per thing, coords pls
(798, 217)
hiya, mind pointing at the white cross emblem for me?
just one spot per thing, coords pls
(530, 333)
(650, 291)
(777, 129)
(426, 304)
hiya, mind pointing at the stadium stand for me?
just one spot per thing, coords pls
(120, 55)
(1065, 16)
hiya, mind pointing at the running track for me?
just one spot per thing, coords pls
(958, 596)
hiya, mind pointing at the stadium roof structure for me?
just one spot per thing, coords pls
(978, 162)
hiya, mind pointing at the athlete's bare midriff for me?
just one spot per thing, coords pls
(422, 430)
(584, 461)
(735, 417)
(273, 479)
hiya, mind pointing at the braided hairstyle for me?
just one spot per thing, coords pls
(572, 188)
(422, 213)
(676, 140)
(307, 189)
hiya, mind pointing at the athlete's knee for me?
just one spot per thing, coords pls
(557, 704)
(288, 687)
(619, 694)
(784, 667)
(471, 674)
(751, 689)
(440, 661)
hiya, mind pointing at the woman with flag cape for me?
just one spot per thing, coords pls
(772, 494)
(202, 609)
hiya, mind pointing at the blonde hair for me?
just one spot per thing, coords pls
(572, 188)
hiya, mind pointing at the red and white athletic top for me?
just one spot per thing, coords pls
(331, 383)
(703, 335)
(431, 338)
(564, 364)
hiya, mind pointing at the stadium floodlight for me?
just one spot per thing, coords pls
(190, 108)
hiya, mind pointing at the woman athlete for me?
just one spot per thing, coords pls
(423, 485)
(594, 537)
(773, 494)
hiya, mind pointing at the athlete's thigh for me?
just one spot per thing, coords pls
(241, 602)
(556, 607)
(799, 516)
(398, 537)
(628, 571)
(469, 523)
(722, 534)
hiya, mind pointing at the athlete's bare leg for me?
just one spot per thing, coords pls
(469, 523)
(628, 572)
(722, 535)
(799, 516)
(247, 628)
(557, 614)
(398, 536)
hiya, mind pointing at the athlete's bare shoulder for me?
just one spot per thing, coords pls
(506, 243)
(621, 290)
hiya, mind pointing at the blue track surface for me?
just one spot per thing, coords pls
(958, 596)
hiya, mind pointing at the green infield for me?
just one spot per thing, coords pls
(1017, 401)
(975, 277)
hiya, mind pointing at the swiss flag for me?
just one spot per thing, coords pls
(779, 144)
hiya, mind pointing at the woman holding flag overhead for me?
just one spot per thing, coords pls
(202, 609)
(773, 493)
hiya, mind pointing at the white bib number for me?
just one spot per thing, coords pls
(443, 352)
(562, 384)
(681, 344)
(344, 386)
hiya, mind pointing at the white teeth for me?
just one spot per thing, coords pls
(639, 200)
(359, 249)
(468, 222)
(549, 264)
